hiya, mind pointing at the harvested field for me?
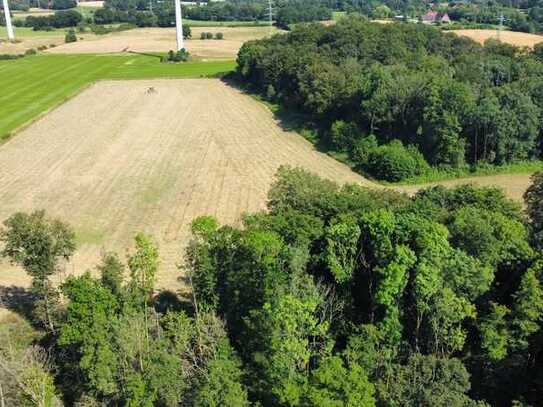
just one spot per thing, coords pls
(163, 40)
(515, 38)
(116, 160)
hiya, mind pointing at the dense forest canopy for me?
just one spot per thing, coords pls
(398, 96)
(337, 296)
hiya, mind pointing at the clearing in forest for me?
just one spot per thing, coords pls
(118, 159)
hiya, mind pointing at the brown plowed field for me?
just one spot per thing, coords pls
(116, 160)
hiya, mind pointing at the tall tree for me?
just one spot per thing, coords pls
(38, 244)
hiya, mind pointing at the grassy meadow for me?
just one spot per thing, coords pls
(35, 84)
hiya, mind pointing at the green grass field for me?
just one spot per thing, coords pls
(33, 85)
(26, 32)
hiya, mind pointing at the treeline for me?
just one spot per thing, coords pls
(397, 98)
(68, 18)
(337, 296)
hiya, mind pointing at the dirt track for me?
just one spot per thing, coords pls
(116, 160)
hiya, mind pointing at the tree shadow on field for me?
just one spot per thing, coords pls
(18, 300)
(289, 118)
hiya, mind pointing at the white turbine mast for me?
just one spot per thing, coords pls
(178, 25)
(9, 27)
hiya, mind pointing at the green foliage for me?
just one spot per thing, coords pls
(337, 384)
(394, 162)
(454, 103)
(219, 36)
(222, 385)
(494, 332)
(489, 236)
(336, 296)
(180, 56)
(89, 316)
(38, 244)
(426, 381)
(70, 36)
(534, 205)
(342, 241)
(143, 263)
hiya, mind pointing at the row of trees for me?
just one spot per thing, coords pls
(367, 85)
(340, 296)
(69, 18)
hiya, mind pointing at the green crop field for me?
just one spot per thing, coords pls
(35, 84)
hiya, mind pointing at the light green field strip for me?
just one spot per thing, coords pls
(33, 85)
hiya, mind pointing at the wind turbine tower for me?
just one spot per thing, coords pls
(178, 25)
(9, 27)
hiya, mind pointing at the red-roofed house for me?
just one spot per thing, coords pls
(433, 17)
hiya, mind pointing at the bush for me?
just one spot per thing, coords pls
(209, 36)
(395, 162)
(63, 4)
(343, 135)
(203, 36)
(179, 56)
(70, 36)
(219, 36)
(361, 150)
(7, 57)
(31, 51)
(187, 32)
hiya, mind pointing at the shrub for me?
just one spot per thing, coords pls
(271, 93)
(187, 32)
(343, 135)
(70, 36)
(31, 51)
(179, 56)
(219, 36)
(203, 36)
(395, 162)
(209, 36)
(361, 150)
(7, 57)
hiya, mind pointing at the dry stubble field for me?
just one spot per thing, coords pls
(163, 40)
(116, 160)
(514, 38)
